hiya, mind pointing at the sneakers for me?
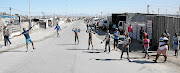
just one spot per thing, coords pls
(120, 58)
(4, 47)
(155, 61)
(165, 61)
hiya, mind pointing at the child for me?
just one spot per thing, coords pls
(146, 47)
(127, 42)
(107, 41)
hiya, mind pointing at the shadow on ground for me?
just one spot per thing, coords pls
(65, 44)
(77, 49)
(93, 51)
(105, 59)
(113, 59)
(102, 50)
(15, 51)
(141, 62)
(1, 46)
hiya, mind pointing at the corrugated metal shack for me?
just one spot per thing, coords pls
(159, 24)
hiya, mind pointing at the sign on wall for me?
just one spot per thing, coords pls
(149, 28)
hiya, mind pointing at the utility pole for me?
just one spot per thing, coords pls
(10, 10)
(166, 11)
(43, 16)
(179, 9)
(147, 9)
(29, 14)
(10, 14)
(66, 8)
(158, 10)
(101, 14)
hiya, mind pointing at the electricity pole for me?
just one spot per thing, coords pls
(158, 10)
(179, 9)
(101, 15)
(10, 14)
(29, 14)
(147, 9)
(10, 10)
(66, 8)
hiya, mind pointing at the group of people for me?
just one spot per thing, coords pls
(116, 36)
(163, 43)
(6, 34)
(162, 49)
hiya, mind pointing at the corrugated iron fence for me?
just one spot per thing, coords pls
(160, 24)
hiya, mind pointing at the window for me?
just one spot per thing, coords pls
(105, 21)
(120, 24)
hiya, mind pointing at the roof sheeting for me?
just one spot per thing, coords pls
(4, 16)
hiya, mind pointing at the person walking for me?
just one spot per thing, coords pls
(145, 35)
(6, 35)
(107, 38)
(28, 39)
(88, 29)
(167, 35)
(141, 34)
(146, 47)
(90, 42)
(116, 38)
(76, 34)
(58, 29)
(163, 47)
(87, 24)
(130, 30)
(176, 40)
(127, 42)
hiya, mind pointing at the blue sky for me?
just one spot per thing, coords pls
(91, 7)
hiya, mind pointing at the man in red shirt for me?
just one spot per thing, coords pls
(130, 30)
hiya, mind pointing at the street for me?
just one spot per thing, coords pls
(61, 55)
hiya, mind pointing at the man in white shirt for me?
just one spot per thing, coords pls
(163, 47)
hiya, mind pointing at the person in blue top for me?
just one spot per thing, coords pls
(28, 39)
(176, 40)
(76, 34)
(58, 29)
(89, 28)
(116, 38)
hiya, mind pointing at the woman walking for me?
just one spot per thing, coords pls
(146, 47)
(176, 40)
